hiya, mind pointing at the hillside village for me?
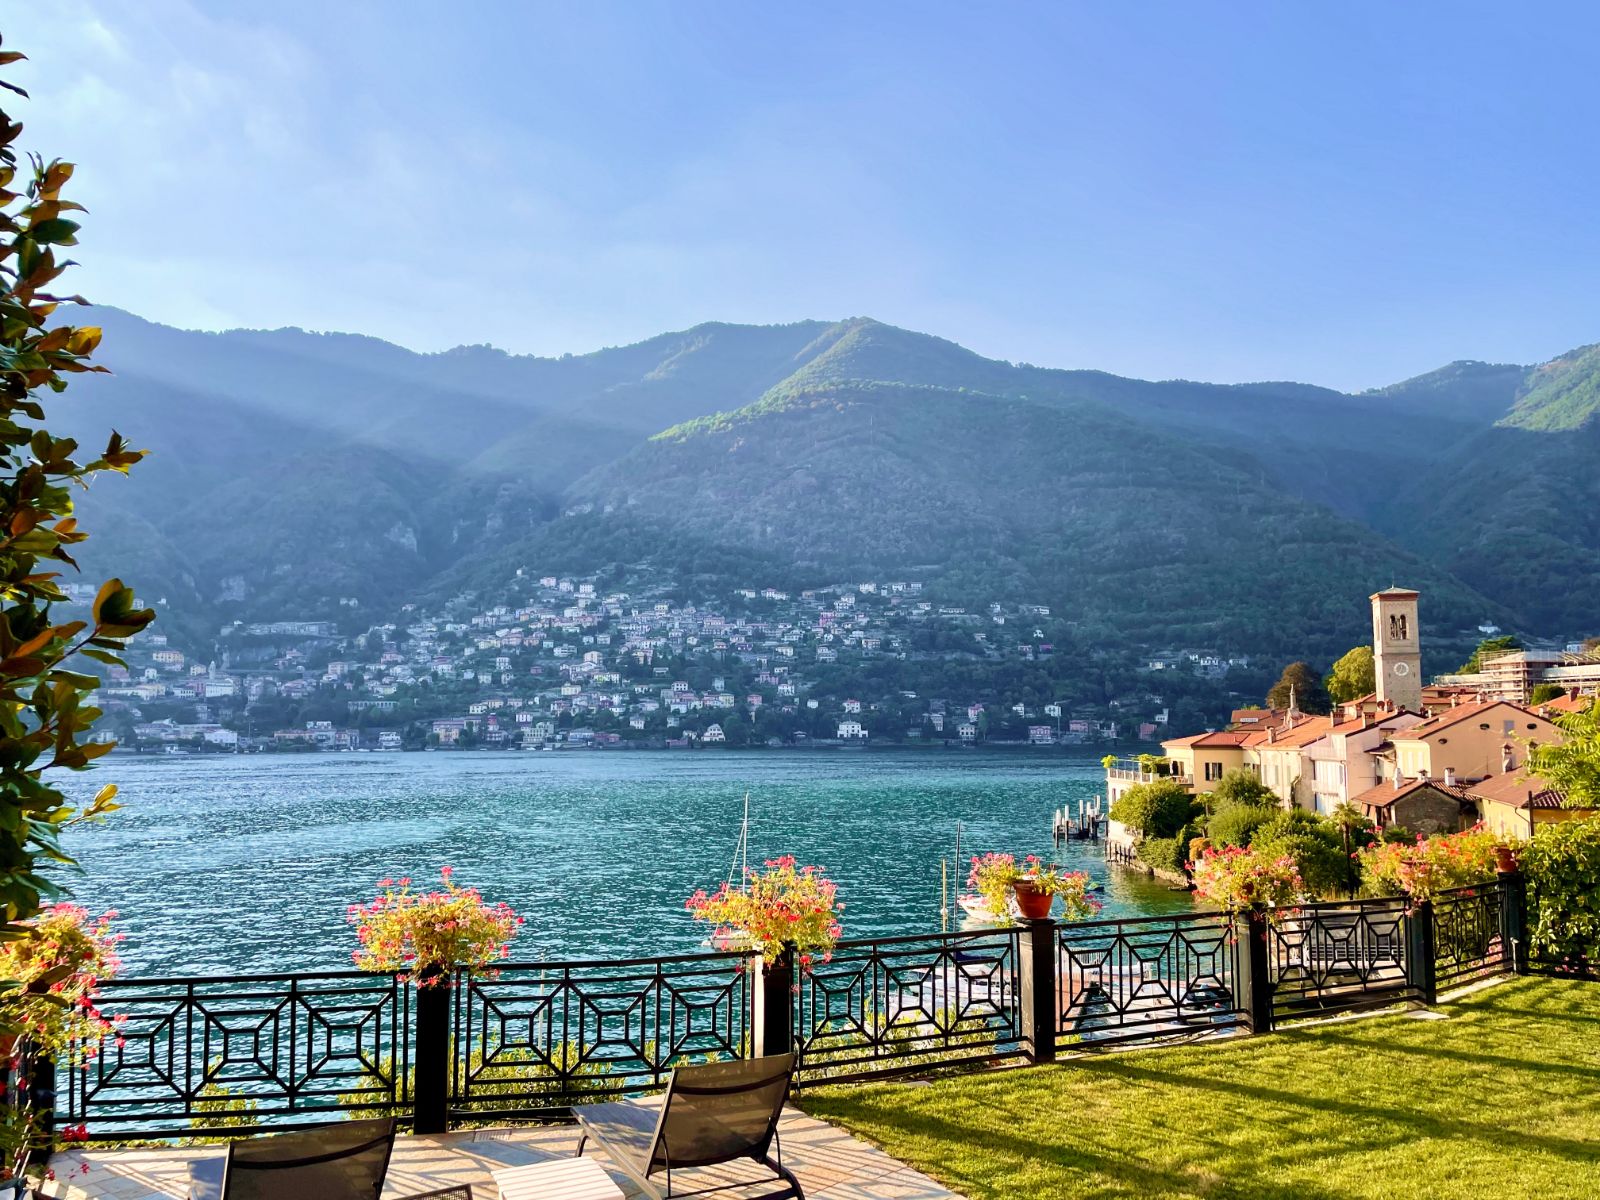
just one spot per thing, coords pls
(574, 666)
(566, 663)
(1422, 758)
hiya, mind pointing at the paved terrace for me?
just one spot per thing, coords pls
(830, 1163)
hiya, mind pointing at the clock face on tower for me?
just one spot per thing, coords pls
(1402, 668)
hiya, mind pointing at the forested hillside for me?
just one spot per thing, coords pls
(337, 476)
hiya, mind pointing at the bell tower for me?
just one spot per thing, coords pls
(1397, 647)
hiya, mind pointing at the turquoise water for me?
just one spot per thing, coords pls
(247, 863)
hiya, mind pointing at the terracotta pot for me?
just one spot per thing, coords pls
(1033, 904)
(1505, 859)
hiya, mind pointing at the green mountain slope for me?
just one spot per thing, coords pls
(1136, 535)
(293, 470)
(1515, 510)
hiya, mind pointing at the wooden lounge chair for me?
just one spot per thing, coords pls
(711, 1114)
(343, 1161)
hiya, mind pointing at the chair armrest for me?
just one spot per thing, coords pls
(462, 1191)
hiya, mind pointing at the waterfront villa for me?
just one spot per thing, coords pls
(1424, 757)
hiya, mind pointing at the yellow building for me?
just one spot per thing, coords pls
(1515, 805)
(1469, 742)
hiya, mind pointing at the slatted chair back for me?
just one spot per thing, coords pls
(347, 1161)
(718, 1112)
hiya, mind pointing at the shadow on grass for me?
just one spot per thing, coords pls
(1103, 1173)
(1417, 1124)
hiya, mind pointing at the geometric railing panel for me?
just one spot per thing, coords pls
(1146, 979)
(533, 1039)
(243, 1052)
(1334, 957)
(1467, 935)
(892, 1004)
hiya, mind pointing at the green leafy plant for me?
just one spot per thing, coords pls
(44, 710)
(1160, 808)
(1572, 765)
(1562, 865)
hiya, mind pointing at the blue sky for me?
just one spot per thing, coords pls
(1345, 194)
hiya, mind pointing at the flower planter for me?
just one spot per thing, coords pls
(1505, 859)
(1031, 902)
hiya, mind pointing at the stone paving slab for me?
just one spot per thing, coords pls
(830, 1164)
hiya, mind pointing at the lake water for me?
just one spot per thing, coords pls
(247, 863)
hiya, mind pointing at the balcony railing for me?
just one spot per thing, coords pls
(234, 1055)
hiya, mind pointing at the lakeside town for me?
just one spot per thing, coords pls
(570, 666)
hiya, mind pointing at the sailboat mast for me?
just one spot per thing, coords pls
(741, 852)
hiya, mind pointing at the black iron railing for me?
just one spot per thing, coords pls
(1471, 940)
(227, 1056)
(534, 1039)
(1326, 958)
(1146, 979)
(892, 1004)
(242, 1052)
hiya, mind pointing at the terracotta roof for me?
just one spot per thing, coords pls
(1384, 794)
(1303, 734)
(1447, 717)
(1223, 738)
(1516, 789)
(1569, 704)
(1392, 590)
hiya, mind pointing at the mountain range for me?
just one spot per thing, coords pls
(294, 473)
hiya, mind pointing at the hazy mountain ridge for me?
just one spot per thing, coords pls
(292, 470)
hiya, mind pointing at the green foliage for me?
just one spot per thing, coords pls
(1353, 675)
(1159, 809)
(1562, 864)
(1488, 648)
(1240, 786)
(1543, 693)
(1317, 847)
(45, 714)
(1300, 684)
(1235, 824)
(1573, 764)
(1163, 853)
(219, 1107)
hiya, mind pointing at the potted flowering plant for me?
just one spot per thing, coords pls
(781, 906)
(423, 935)
(1507, 852)
(55, 970)
(1034, 884)
(50, 1016)
(1051, 882)
(1237, 879)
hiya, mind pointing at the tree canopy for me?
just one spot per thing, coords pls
(1573, 764)
(1353, 675)
(1300, 683)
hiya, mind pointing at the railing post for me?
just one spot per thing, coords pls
(1253, 969)
(1514, 921)
(41, 1080)
(775, 996)
(430, 1092)
(1037, 988)
(1422, 973)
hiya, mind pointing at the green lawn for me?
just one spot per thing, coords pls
(1500, 1100)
